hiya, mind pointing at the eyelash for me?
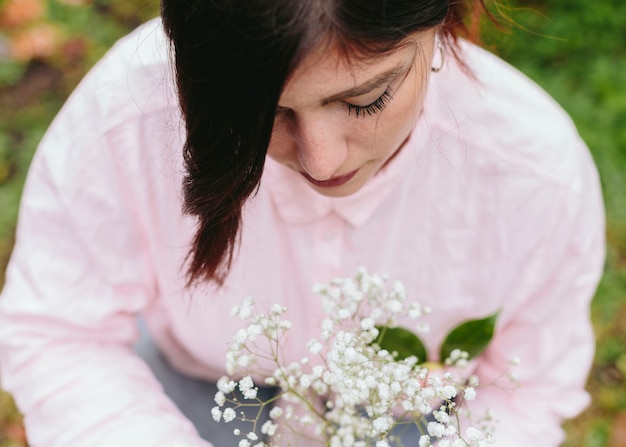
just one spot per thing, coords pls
(371, 109)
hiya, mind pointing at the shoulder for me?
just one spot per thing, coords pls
(121, 122)
(505, 120)
(134, 79)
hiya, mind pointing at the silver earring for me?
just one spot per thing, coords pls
(438, 69)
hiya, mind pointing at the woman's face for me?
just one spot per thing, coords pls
(338, 123)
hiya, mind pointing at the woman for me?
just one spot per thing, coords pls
(307, 138)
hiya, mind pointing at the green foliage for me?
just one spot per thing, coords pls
(472, 336)
(401, 341)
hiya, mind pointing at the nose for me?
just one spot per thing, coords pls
(321, 146)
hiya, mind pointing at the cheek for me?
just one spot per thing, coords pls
(401, 116)
(280, 143)
(396, 123)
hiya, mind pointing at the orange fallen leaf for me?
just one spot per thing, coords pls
(18, 12)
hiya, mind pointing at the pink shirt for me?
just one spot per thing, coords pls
(494, 203)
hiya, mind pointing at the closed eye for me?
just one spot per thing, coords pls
(371, 109)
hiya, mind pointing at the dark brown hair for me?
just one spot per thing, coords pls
(232, 58)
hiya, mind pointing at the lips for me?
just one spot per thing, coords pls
(332, 182)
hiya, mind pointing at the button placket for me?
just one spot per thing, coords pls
(329, 248)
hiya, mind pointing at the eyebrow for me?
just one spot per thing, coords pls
(383, 78)
(369, 85)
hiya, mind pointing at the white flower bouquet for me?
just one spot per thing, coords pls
(366, 381)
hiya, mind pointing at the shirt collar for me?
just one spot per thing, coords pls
(299, 204)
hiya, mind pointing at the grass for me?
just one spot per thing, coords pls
(574, 48)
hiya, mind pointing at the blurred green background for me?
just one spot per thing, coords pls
(575, 49)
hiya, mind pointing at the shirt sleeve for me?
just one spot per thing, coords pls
(79, 273)
(547, 323)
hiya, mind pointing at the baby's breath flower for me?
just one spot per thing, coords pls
(220, 398)
(269, 428)
(436, 429)
(367, 323)
(229, 415)
(226, 385)
(314, 347)
(216, 414)
(473, 380)
(278, 310)
(442, 417)
(382, 424)
(276, 412)
(362, 386)
(250, 394)
(469, 393)
(422, 327)
(424, 441)
(473, 433)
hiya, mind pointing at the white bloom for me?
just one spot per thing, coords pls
(367, 323)
(442, 417)
(469, 393)
(236, 432)
(244, 443)
(244, 361)
(473, 433)
(252, 436)
(314, 347)
(424, 441)
(423, 327)
(246, 383)
(278, 310)
(436, 429)
(382, 424)
(305, 380)
(276, 412)
(269, 428)
(225, 385)
(220, 399)
(229, 414)
(216, 413)
(407, 405)
(254, 330)
(394, 306)
(382, 443)
(306, 420)
(344, 314)
(415, 311)
(246, 308)
(250, 394)
(241, 336)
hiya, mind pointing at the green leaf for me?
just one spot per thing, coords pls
(472, 336)
(402, 341)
